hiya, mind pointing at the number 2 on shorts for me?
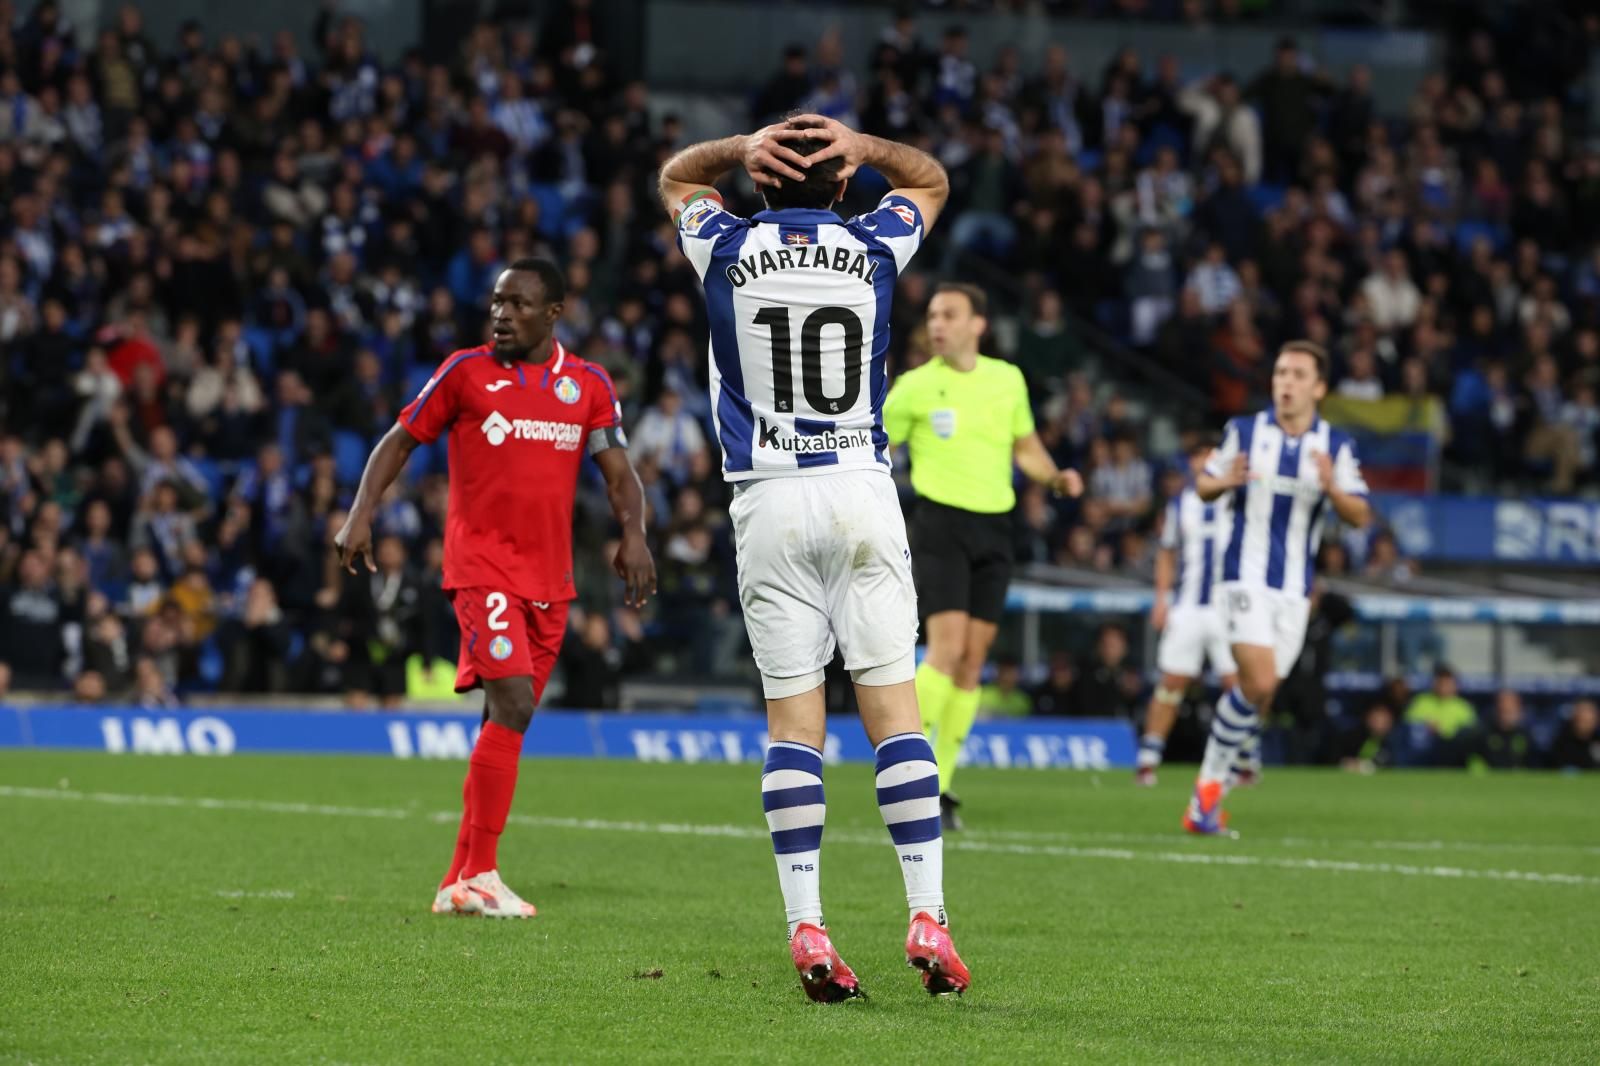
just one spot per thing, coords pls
(496, 602)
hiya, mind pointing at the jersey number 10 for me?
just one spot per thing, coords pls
(776, 319)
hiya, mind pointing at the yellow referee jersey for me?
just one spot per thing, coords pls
(961, 428)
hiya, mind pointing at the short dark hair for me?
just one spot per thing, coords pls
(975, 296)
(817, 190)
(1317, 352)
(550, 276)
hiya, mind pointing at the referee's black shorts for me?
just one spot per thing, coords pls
(961, 560)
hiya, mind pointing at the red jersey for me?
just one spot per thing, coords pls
(517, 434)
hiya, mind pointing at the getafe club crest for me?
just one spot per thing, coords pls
(567, 390)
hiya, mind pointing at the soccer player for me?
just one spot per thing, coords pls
(1281, 471)
(798, 302)
(1185, 614)
(966, 418)
(520, 413)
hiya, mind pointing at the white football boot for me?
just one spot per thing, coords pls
(487, 895)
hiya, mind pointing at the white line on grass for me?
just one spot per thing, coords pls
(741, 832)
(1300, 842)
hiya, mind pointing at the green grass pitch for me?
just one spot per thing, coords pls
(276, 910)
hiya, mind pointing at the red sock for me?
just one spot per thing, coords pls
(459, 859)
(491, 782)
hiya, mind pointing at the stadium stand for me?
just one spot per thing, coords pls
(225, 265)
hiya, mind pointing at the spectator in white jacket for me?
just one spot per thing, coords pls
(1221, 117)
(1393, 299)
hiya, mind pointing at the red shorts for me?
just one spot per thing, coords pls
(503, 635)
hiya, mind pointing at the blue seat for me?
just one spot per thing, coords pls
(1468, 232)
(1266, 197)
(211, 471)
(349, 456)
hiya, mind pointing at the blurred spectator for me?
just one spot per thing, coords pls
(257, 644)
(1448, 718)
(1108, 685)
(1056, 695)
(32, 622)
(1213, 281)
(88, 687)
(1577, 746)
(151, 692)
(1505, 744)
(380, 618)
(1370, 745)
(669, 435)
(1123, 482)
(1393, 299)
(592, 666)
(1003, 697)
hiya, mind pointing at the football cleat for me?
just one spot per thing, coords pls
(1205, 815)
(485, 894)
(930, 949)
(949, 820)
(823, 973)
(442, 903)
(1145, 777)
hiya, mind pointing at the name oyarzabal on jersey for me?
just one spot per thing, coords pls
(798, 302)
(803, 256)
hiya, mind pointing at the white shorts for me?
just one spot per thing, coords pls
(1194, 635)
(1265, 618)
(824, 558)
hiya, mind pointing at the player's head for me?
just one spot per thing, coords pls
(1299, 378)
(527, 300)
(822, 187)
(958, 316)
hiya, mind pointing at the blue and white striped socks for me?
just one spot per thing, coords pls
(791, 794)
(1235, 722)
(908, 797)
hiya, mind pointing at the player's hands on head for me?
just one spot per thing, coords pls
(844, 142)
(768, 160)
(636, 568)
(1067, 483)
(355, 539)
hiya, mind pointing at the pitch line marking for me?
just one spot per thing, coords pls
(740, 832)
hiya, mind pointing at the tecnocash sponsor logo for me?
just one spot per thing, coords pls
(498, 429)
(829, 440)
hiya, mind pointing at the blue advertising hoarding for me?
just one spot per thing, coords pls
(1484, 529)
(1035, 743)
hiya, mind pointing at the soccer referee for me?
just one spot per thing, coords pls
(965, 418)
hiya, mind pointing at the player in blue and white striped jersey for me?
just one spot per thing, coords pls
(798, 304)
(1281, 472)
(1192, 535)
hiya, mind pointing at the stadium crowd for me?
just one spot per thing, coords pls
(226, 265)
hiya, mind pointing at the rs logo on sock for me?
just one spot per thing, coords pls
(911, 858)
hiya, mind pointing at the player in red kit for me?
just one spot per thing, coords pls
(520, 413)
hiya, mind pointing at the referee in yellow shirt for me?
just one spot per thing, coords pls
(965, 418)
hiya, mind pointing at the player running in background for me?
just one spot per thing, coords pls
(798, 302)
(1281, 471)
(520, 413)
(965, 418)
(1185, 614)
